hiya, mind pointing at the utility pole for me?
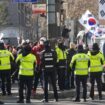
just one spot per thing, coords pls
(51, 20)
(28, 21)
(21, 15)
(60, 16)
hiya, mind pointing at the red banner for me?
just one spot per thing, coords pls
(38, 8)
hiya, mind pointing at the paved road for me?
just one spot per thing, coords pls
(61, 102)
(11, 100)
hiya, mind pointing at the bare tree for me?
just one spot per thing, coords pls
(78, 7)
(3, 14)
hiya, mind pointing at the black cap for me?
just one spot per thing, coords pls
(95, 47)
(60, 40)
(27, 48)
(47, 43)
(25, 43)
(1, 44)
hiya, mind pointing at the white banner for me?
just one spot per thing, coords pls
(101, 9)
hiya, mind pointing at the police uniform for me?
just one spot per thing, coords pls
(26, 63)
(96, 69)
(6, 58)
(80, 63)
(61, 63)
(48, 61)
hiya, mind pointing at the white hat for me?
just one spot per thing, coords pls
(27, 40)
(43, 39)
(1, 41)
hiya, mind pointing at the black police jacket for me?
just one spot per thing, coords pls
(48, 59)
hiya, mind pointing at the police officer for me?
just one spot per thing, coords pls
(61, 63)
(48, 60)
(80, 63)
(26, 63)
(6, 58)
(96, 69)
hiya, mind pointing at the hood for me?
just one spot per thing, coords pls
(94, 52)
(2, 47)
(25, 53)
(26, 50)
(62, 47)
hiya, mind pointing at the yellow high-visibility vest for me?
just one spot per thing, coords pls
(81, 66)
(5, 63)
(26, 67)
(60, 54)
(95, 62)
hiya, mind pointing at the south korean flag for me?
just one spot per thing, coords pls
(101, 9)
(89, 22)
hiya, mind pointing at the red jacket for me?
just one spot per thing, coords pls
(36, 50)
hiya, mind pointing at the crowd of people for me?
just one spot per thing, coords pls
(67, 66)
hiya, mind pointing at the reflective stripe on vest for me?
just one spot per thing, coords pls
(26, 69)
(97, 68)
(5, 64)
(22, 60)
(81, 72)
(82, 59)
(47, 59)
(47, 54)
(81, 69)
(61, 66)
(4, 55)
(49, 66)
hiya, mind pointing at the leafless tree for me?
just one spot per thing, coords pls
(78, 7)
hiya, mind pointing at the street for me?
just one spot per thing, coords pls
(51, 102)
(37, 100)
